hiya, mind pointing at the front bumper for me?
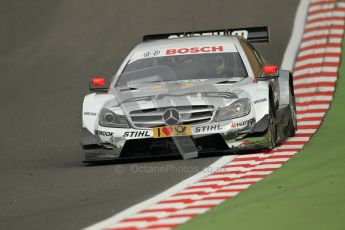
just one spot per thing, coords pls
(229, 136)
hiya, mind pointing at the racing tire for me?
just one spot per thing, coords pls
(272, 128)
(292, 127)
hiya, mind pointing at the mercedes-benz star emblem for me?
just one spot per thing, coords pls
(171, 117)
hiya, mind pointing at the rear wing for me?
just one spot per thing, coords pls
(253, 34)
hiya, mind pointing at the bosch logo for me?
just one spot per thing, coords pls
(193, 50)
(171, 117)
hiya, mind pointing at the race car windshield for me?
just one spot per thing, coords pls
(182, 68)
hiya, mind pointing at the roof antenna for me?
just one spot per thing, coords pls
(193, 26)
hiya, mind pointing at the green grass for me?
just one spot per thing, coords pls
(308, 192)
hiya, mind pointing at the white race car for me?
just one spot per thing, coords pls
(190, 93)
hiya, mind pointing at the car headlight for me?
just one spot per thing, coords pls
(108, 118)
(237, 109)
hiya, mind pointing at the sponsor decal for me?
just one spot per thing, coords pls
(190, 81)
(242, 124)
(152, 53)
(172, 131)
(193, 50)
(242, 33)
(90, 114)
(183, 84)
(143, 133)
(208, 128)
(171, 85)
(260, 101)
(104, 133)
(234, 125)
(157, 87)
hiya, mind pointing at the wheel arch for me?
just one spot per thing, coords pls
(92, 105)
(291, 84)
(285, 84)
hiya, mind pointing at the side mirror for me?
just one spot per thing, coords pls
(97, 84)
(269, 72)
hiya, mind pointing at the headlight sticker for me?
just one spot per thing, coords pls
(241, 124)
(260, 101)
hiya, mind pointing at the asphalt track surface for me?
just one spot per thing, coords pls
(48, 51)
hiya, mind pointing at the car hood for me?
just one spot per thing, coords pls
(214, 92)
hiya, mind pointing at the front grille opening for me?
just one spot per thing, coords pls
(153, 117)
(211, 143)
(167, 147)
(149, 110)
(200, 121)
